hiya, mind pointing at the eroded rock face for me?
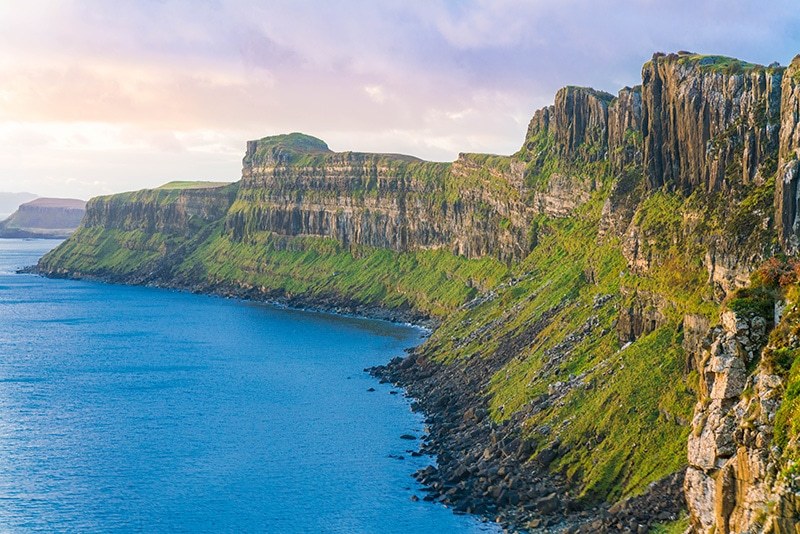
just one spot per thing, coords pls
(786, 193)
(149, 212)
(698, 120)
(580, 122)
(473, 207)
(574, 131)
(710, 483)
(562, 195)
(625, 158)
(644, 314)
(625, 129)
(733, 483)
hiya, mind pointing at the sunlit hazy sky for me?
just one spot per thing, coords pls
(104, 96)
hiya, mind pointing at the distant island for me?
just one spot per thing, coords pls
(44, 218)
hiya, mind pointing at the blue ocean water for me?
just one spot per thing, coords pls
(138, 409)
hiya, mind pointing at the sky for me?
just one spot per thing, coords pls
(99, 97)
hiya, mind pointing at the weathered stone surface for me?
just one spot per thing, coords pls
(577, 123)
(695, 331)
(562, 195)
(625, 129)
(728, 269)
(580, 122)
(643, 315)
(699, 120)
(625, 159)
(146, 211)
(786, 191)
(732, 484)
(577, 128)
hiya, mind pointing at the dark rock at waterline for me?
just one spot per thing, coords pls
(408, 437)
(490, 469)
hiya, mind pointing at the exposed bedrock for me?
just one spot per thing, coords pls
(699, 119)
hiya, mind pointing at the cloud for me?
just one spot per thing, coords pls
(132, 93)
(376, 93)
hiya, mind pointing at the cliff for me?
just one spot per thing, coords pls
(44, 217)
(132, 236)
(709, 122)
(604, 297)
(473, 207)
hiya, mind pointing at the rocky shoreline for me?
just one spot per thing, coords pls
(487, 469)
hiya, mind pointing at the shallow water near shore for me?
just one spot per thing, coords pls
(138, 409)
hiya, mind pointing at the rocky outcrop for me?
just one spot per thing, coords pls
(562, 194)
(625, 130)
(644, 313)
(710, 486)
(580, 123)
(575, 128)
(44, 217)
(731, 475)
(574, 132)
(786, 192)
(625, 159)
(727, 268)
(708, 122)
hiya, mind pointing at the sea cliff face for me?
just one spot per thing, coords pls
(708, 122)
(605, 297)
(473, 207)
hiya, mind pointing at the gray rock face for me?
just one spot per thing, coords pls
(149, 212)
(625, 129)
(699, 120)
(580, 123)
(562, 195)
(576, 130)
(643, 315)
(731, 484)
(786, 192)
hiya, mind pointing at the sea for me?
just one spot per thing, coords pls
(136, 409)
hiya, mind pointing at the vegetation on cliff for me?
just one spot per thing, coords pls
(590, 266)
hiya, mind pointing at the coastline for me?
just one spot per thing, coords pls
(481, 467)
(333, 304)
